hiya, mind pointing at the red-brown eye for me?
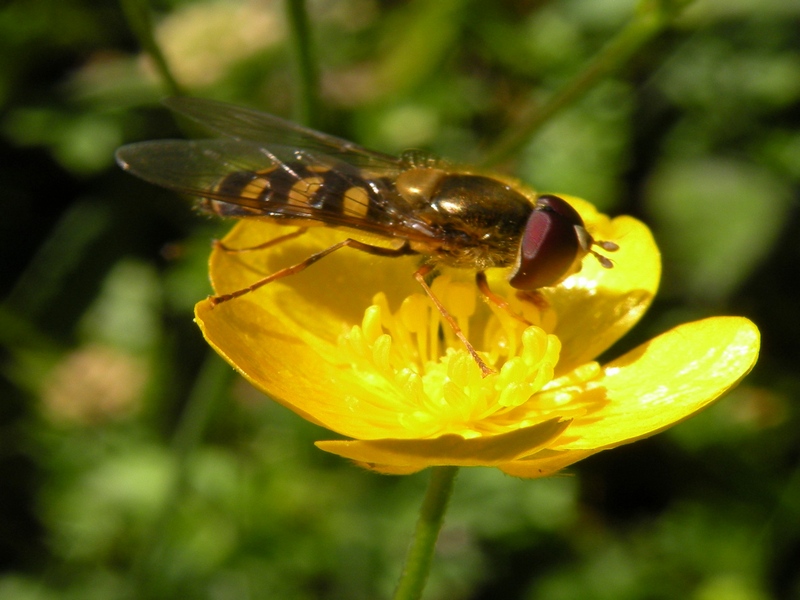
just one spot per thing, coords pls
(554, 238)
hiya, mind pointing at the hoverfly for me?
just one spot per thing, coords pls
(262, 166)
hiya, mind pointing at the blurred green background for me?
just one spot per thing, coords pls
(134, 464)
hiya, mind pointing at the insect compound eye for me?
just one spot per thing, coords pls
(553, 240)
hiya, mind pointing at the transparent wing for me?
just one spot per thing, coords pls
(245, 124)
(200, 168)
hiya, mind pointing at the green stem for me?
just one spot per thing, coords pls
(651, 18)
(137, 12)
(307, 73)
(209, 387)
(431, 517)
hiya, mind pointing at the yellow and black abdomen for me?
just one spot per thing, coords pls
(295, 191)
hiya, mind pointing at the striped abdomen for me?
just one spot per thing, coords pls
(298, 191)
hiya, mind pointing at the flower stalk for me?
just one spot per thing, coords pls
(140, 20)
(652, 17)
(431, 517)
(306, 69)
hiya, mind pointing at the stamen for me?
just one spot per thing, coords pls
(371, 323)
(461, 302)
(432, 393)
(414, 316)
(381, 350)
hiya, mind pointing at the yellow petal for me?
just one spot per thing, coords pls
(283, 337)
(447, 449)
(666, 381)
(330, 293)
(655, 386)
(597, 306)
(544, 463)
(295, 368)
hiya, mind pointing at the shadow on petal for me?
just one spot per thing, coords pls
(667, 380)
(544, 463)
(448, 449)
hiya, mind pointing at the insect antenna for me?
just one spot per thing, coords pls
(608, 247)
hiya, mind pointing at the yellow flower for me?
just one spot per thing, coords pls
(353, 345)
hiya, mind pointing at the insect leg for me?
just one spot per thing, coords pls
(265, 245)
(296, 268)
(501, 303)
(419, 275)
(535, 297)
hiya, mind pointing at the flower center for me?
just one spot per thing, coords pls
(416, 362)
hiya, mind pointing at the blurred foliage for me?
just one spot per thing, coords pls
(135, 465)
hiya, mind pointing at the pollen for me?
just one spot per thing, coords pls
(433, 384)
